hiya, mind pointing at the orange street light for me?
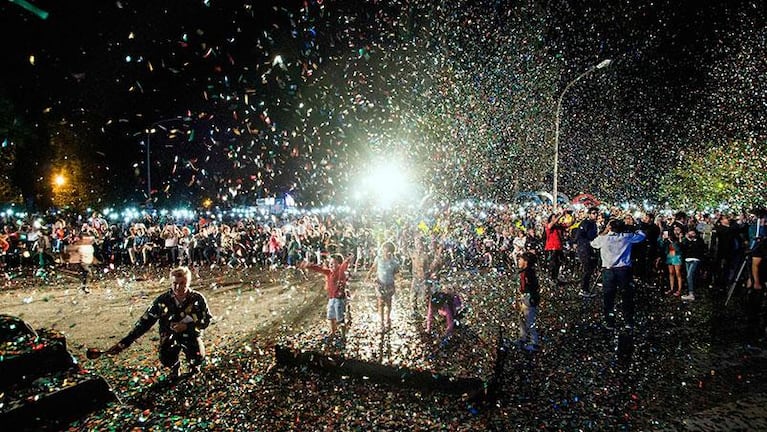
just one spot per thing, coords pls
(59, 180)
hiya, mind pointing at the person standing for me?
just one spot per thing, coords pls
(614, 247)
(680, 220)
(86, 250)
(755, 331)
(519, 245)
(183, 314)
(647, 251)
(170, 236)
(385, 266)
(671, 247)
(586, 232)
(186, 246)
(533, 242)
(554, 246)
(44, 250)
(335, 286)
(705, 229)
(294, 251)
(725, 244)
(694, 250)
(420, 263)
(528, 299)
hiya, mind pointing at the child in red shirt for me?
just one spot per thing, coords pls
(335, 284)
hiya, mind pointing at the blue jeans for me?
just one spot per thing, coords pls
(588, 265)
(692, 273)
(336, 309)
(613, 280)
(528, 331)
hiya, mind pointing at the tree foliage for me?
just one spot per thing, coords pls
(73, 160)
(732, 169)
(733, 175)
(12, 131)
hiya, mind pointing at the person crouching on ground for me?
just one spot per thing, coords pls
(528, 299)
(447, 305)
(183, 314)
(335, 283)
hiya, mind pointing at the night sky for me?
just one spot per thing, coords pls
(261, 98)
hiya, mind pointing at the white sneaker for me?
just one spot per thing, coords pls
(688, 297)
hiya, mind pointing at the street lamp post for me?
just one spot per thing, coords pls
(149, 132)
(600, 65)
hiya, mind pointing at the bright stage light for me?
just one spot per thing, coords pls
(386, 184)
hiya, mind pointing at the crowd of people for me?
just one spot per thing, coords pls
(675, 252)
(684, 249)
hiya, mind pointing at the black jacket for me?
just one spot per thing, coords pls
(586, 232)
(528, 284)
(165, 310)
(694, 248)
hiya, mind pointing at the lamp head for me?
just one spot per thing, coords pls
(604, 63)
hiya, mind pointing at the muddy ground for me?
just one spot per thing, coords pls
(687, 368)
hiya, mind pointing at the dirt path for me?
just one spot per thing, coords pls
(243, 303)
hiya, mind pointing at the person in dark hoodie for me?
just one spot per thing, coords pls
(727, 246)
(694, 251)
(528, 299)
(585, 233)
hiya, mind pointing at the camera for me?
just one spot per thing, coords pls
(628, 229)
(620, 227)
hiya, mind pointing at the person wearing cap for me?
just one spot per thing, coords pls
(614, 247)
(585, 233)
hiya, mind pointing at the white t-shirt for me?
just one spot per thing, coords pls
(86, 253)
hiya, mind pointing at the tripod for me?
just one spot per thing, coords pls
(745, 264)
(596, 279)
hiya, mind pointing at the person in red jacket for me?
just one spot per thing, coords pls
(554, 247)
(335, 285)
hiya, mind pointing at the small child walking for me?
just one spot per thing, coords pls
(528, 299)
